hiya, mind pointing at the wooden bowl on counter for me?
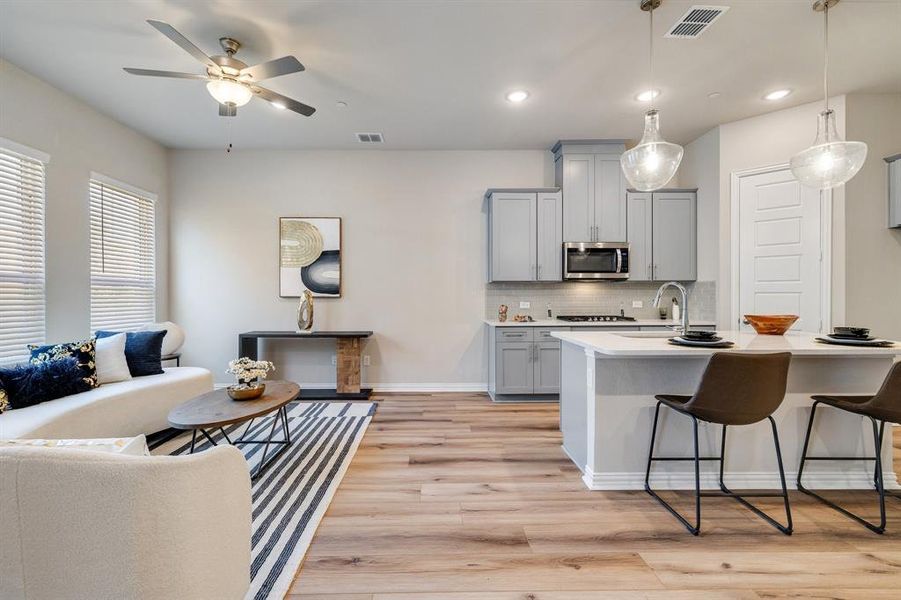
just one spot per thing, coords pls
(771, 324)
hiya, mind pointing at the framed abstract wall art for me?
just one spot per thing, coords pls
(309, 256)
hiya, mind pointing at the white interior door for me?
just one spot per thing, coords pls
(780, 248)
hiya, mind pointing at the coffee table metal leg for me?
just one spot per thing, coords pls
(193, 440)
(225, 435)
(263, 463)
(284, 414)
(207, 436)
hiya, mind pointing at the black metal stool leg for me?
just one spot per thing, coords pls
(813, 412)
(692, 529)
(786, 529)
(877, 475)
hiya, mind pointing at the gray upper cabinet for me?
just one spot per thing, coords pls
(514, 236)
(894, 190)
(609, 199)
(662, 235)
(578, 186)
(594, 190)
(526, 235)
(550, 237)
(639, 233)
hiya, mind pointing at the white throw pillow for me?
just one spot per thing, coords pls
(110, 359)
(174, 339)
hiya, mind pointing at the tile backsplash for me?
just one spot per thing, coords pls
(602, 298)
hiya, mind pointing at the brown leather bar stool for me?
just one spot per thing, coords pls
(884, 407)
(736, 389)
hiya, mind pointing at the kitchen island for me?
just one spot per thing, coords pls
(608, 384)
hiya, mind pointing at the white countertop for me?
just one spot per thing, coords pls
(802, 344)
(559, 323)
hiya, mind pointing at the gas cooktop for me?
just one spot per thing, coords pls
(586, 318)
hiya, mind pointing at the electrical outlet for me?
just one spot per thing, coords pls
(366, 361)
(525, 305)
(334, 359)
(637, 304)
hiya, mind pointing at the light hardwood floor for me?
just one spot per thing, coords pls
(451, 497)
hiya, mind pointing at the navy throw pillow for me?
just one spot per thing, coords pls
(28, 384)
(143, 351)
(84, 352)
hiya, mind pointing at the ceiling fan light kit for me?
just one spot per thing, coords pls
(229, 81)
(653, 162)
(830, 161)
(229, 92)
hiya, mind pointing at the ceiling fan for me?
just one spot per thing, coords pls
(231, 82)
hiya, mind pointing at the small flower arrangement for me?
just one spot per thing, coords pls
(249, 372)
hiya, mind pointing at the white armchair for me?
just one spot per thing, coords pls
(82, 524)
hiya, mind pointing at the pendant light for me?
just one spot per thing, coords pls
(830, 161)
(653, 162)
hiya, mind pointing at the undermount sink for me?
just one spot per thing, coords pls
(646, 334)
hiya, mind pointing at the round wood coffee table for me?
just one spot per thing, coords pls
(215, 410)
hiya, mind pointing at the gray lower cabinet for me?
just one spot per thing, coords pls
(546, 368)
(514, 368)
(525, 362)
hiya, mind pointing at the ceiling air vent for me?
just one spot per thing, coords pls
(695, 22)
(370, 138)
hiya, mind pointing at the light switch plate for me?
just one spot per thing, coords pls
(637, 304)
(334, 359)
(525, 305)
(366, 362)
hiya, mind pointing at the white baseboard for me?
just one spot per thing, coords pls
(821, 480)
(402, 387)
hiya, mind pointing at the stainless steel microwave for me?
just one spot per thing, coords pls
(595, 260)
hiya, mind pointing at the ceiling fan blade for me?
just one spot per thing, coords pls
(228, 110)
(174, 74)
(289, 103)
(170, 32)
(273, 68)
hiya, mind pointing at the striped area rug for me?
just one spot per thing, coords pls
(291, 497)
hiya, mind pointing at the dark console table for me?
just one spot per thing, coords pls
(348, 345)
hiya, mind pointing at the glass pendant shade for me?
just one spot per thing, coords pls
(830, 161)
(229, 92)
(652, 163)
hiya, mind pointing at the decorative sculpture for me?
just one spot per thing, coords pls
(305, 312)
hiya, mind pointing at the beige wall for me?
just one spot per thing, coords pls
(767, 140)
(873, 258)
(79, 140)
(413, 265)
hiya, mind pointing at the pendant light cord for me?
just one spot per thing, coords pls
(826, 54)
(651, 56)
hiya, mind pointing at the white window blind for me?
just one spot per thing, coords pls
(123, 277)
(21, 254)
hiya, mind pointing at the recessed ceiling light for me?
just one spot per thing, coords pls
(777, 94)
(278, 105)
(341, 104)
(647, 95)
(714, 95)
(517, 96)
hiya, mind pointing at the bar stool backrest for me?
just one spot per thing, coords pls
(740, 389)
(888, 398)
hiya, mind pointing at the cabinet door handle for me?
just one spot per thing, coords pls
(650, 272)
(539, 271)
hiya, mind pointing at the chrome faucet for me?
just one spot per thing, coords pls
(682, 289)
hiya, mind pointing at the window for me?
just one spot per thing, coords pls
(123, 274)
(21, 250)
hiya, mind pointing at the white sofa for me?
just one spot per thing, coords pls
(78, 524)
(121, 409)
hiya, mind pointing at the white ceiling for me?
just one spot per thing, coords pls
(433, 74)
